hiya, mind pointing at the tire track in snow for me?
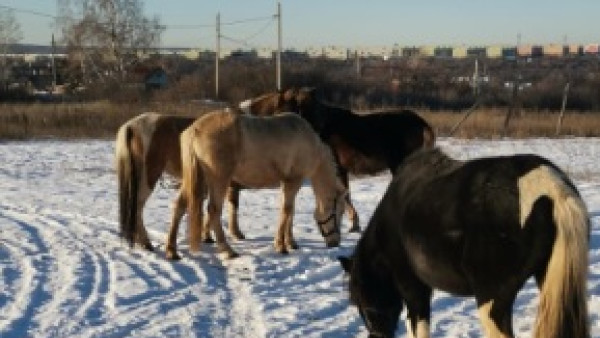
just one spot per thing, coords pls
(86, 268)
(31, 273)
(246, 318)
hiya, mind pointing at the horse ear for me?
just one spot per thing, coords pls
(346, 263)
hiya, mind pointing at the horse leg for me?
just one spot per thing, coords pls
(233, 196)
(418, 316)
(284, 240)
(495, 314)
(495, 298)
(141, 235)
(352, 214)
(216, 193)
(417, 297)
(179, 206)
(495, 290)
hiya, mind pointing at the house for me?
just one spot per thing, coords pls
(148, 77)
(156, 78)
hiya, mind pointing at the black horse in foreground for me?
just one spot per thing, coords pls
(362, 144)
(477, 228)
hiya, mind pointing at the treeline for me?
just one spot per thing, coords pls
(433, 84)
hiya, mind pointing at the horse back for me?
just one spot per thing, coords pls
(283, 144)
(372, 142)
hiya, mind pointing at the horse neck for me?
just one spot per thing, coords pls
(265, 105)
(335, 111)
(429, 163)
(371, 265)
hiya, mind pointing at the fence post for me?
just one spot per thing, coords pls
(562, 108)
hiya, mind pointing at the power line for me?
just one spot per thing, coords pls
(165, 26)
(246, 41)
(262, 18)
(28, 11)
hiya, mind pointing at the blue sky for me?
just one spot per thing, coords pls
(356, 23)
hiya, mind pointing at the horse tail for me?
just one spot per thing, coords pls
(128, 178)
(428, 136)
(563, 301)
(193, 188)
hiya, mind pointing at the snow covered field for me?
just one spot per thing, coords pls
(64, 272)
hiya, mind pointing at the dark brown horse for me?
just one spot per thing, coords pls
(478, 228)
(361, 143)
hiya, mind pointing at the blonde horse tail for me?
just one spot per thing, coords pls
(563, 295)
(193, 188)
(128, 178)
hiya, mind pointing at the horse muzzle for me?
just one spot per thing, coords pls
(333, 240)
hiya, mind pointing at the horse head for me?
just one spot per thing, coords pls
(379, 303)
(273, 102)
(310, 107)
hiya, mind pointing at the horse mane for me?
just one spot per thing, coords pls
(430, 161)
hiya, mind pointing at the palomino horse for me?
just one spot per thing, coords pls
(361, 144)
(147, 146)
(221, 147)
(476, 228)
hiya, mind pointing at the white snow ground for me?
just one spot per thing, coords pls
(64, 272)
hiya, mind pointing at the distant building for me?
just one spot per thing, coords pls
(374, 52)
(524, 50)
(537, 51)
(336, 52)
(408, 52)
(591, 48)
(575, 50)
(460, 52)
(427, 51)
(156, 78)
(477, 52)
(494, 51)
(555, 50)
(442, 52)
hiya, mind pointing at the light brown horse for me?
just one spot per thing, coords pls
(146, 147)
(221, 147)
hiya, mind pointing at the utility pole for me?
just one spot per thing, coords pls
(217, 55)
(53, 65)
(476, 78)
(278, 72)
(357, 63)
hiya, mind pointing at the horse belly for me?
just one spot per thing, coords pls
(438, 267)
(253, 174)
(267, 164)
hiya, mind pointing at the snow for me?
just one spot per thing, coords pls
(64, 272)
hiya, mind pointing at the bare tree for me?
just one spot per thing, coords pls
(10, 33)
(104, 37)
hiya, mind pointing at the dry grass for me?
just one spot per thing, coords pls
(102, 119)
(79, 120)
(489, 123)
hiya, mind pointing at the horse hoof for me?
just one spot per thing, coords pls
(209, 240)
(239, 237)
(354, 229)
(173, 256)
(148, 247)
(231, 255)
(283, 251)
